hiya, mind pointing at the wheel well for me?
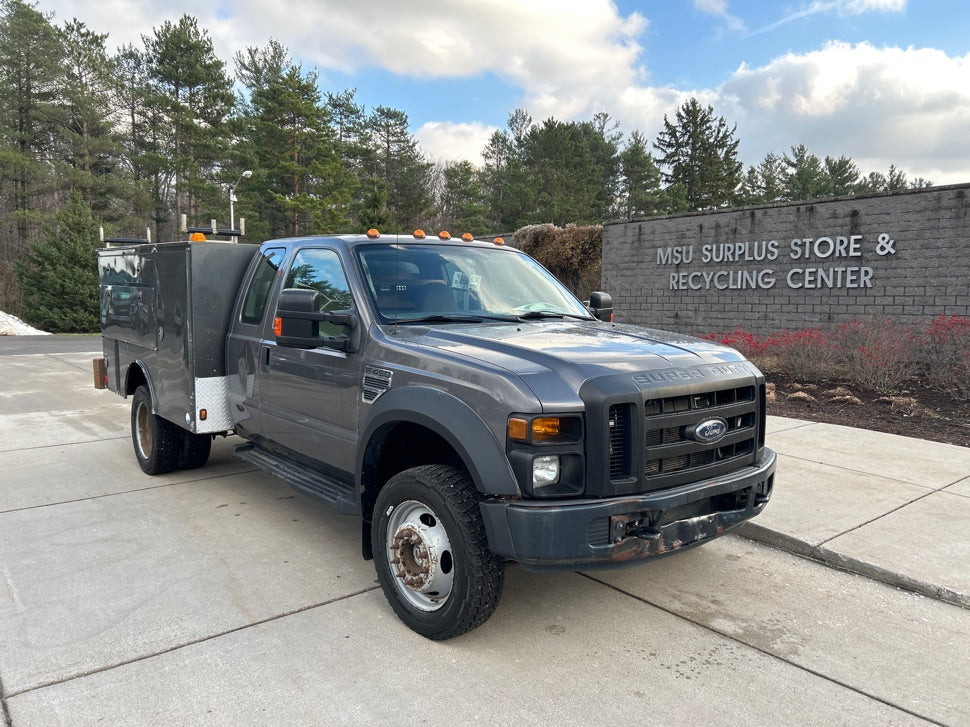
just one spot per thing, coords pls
(395, 447)
(134, 379)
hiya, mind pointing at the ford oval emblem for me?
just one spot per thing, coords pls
(708, 431)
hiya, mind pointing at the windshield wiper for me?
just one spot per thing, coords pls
(534, 314)
(440, 318)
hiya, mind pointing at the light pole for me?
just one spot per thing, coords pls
(232, 197)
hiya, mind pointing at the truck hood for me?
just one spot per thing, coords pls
(572, 350)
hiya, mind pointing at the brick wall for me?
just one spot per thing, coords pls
(784, 267)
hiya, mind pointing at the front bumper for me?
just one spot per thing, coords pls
(610, 533)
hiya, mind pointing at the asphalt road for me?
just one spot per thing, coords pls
(21, 345)
(221, 597)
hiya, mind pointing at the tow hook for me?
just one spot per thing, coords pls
(620, 528)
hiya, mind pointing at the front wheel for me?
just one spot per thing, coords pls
(431, 552)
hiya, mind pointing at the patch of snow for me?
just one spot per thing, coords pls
(13, 326)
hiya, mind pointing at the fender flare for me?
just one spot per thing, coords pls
(455, 422)
(148, 381)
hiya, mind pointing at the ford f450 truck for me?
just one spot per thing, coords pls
(452, 394)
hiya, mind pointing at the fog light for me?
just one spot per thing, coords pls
(545, 471)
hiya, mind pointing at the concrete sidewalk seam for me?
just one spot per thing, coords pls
(3, 706)
(65, 444)
(877, 518)
(121, 493)
(864, 473)
(789, 544)
(194, 642)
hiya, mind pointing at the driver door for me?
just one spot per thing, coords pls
(310, 396)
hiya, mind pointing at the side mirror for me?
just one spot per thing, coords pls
(601, 306)
(298, 319)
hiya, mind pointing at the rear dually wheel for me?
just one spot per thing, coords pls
(156, 440)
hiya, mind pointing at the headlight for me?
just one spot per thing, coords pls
(545, 471)
(566, 429)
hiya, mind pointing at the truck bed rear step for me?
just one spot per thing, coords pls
(334, 492)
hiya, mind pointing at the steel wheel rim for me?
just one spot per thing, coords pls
(419, 555)
(143, 428)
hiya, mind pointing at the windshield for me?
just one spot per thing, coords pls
(452, 283)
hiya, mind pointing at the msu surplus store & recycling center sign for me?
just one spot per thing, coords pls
(821, 262)
(797, 265)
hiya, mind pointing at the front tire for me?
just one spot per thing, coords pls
(156, 440)
(431, 552)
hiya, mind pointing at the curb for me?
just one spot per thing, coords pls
(833, 559)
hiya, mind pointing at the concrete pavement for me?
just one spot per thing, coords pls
(891, 508)
(218, 596)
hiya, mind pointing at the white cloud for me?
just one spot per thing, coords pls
(840, 8)
(858, 7)
(909, 107)
(572, 58)
(719, 9)
(447, 141)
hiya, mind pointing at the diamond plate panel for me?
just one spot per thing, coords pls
(212, 394)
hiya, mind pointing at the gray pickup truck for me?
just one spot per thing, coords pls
(451, 393)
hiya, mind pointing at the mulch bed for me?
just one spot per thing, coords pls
(915, 412)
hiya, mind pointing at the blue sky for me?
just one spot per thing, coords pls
(882, 81)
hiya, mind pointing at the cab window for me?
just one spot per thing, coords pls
(254, 304)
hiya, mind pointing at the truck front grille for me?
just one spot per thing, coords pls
(670, 455)
(619, 449)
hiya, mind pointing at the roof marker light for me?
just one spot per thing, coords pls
(444, 235)
(419, 235)
(373, 234)
(468, 237)
(498, 241)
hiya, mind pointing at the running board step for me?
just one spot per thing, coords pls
(339, 495)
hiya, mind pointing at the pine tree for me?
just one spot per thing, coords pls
(58, 276)
(400, 168)
(604, 138)
(31, 82)
(143, 135)
(765, 183)
(300, 184)
(349, 122)
(91, 149)
(505, 181)
(194, 97)
(462, 202)
(803, 175)
(841, 177)
(573, 168)
(699, 152)
(641, 195)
